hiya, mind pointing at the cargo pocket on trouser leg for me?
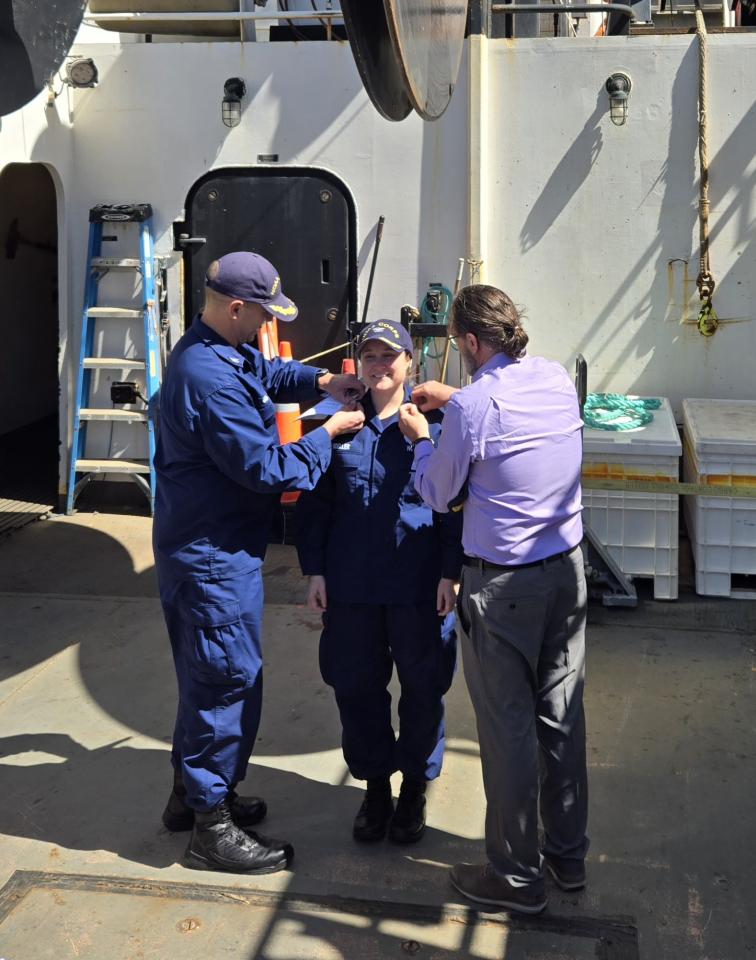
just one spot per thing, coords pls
(216, 648)
(222, 687)
(222, 645)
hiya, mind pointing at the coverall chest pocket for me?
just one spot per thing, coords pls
(346, 465)
(218, 649)
(265, 407)
(267, 410)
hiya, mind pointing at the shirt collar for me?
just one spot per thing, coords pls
(497, 361)
(372, 418)
(215, 341)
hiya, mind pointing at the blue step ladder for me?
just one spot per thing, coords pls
(138, 399)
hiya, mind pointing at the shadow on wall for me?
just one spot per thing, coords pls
(731, 197)
(141, 100)
(569, 175)
(195, 73)
(675, 224)
(676, 193)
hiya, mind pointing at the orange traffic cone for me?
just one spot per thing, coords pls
(287, 420)
(267, 340)
(348, 365)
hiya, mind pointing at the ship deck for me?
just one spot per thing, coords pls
(87, 700)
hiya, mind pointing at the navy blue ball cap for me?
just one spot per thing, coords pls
(252, 278)
(389, 332)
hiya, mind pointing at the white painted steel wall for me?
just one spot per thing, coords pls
(584, 218)
(591, 224)
(305, 102)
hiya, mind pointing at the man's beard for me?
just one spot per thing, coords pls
(469, 364)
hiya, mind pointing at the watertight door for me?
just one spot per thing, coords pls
(303, 221)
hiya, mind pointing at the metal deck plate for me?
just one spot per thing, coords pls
(49, 915)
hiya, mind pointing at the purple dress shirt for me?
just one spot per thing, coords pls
(515, 435)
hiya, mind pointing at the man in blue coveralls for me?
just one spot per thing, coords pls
(220, 470)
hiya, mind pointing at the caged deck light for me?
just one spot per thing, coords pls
(81, 72)
(234, 90)
(618, 86)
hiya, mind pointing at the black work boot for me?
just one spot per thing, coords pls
(178, 815)
(218, 844)
(408, 824)
(377, 809)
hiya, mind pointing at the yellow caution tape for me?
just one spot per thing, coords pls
(671, 487)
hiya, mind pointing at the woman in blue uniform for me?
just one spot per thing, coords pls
(383, 569)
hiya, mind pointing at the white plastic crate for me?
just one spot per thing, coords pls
(640, 530)
(720, 448)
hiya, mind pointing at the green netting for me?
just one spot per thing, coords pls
(614, 411)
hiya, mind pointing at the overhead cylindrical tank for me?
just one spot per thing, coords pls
(225, 29)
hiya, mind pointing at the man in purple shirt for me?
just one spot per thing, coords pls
(511, 450)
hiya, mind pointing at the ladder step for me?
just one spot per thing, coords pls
(112, 413)
(113, 363)
(112, 466)
(116, 263)
(123, 312)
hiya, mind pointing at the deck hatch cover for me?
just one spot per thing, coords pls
(50, 914)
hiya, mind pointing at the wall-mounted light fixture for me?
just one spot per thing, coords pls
(81, 72)
(234, 90)
(618, 86)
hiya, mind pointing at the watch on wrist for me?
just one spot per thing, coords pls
(320, 373)
(422, 440)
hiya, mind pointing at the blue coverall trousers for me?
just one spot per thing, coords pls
(359, 646)
(214, 627)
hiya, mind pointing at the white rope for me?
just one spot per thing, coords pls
(703, 130)
(707, 319)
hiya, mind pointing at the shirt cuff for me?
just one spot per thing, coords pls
(423, 451)
(318, 372)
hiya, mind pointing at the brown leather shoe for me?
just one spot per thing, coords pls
(481, 884)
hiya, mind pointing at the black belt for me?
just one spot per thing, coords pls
(484, 565)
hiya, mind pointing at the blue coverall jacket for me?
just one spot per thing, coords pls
(366, 502)
(219, 463)
(220, 469)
